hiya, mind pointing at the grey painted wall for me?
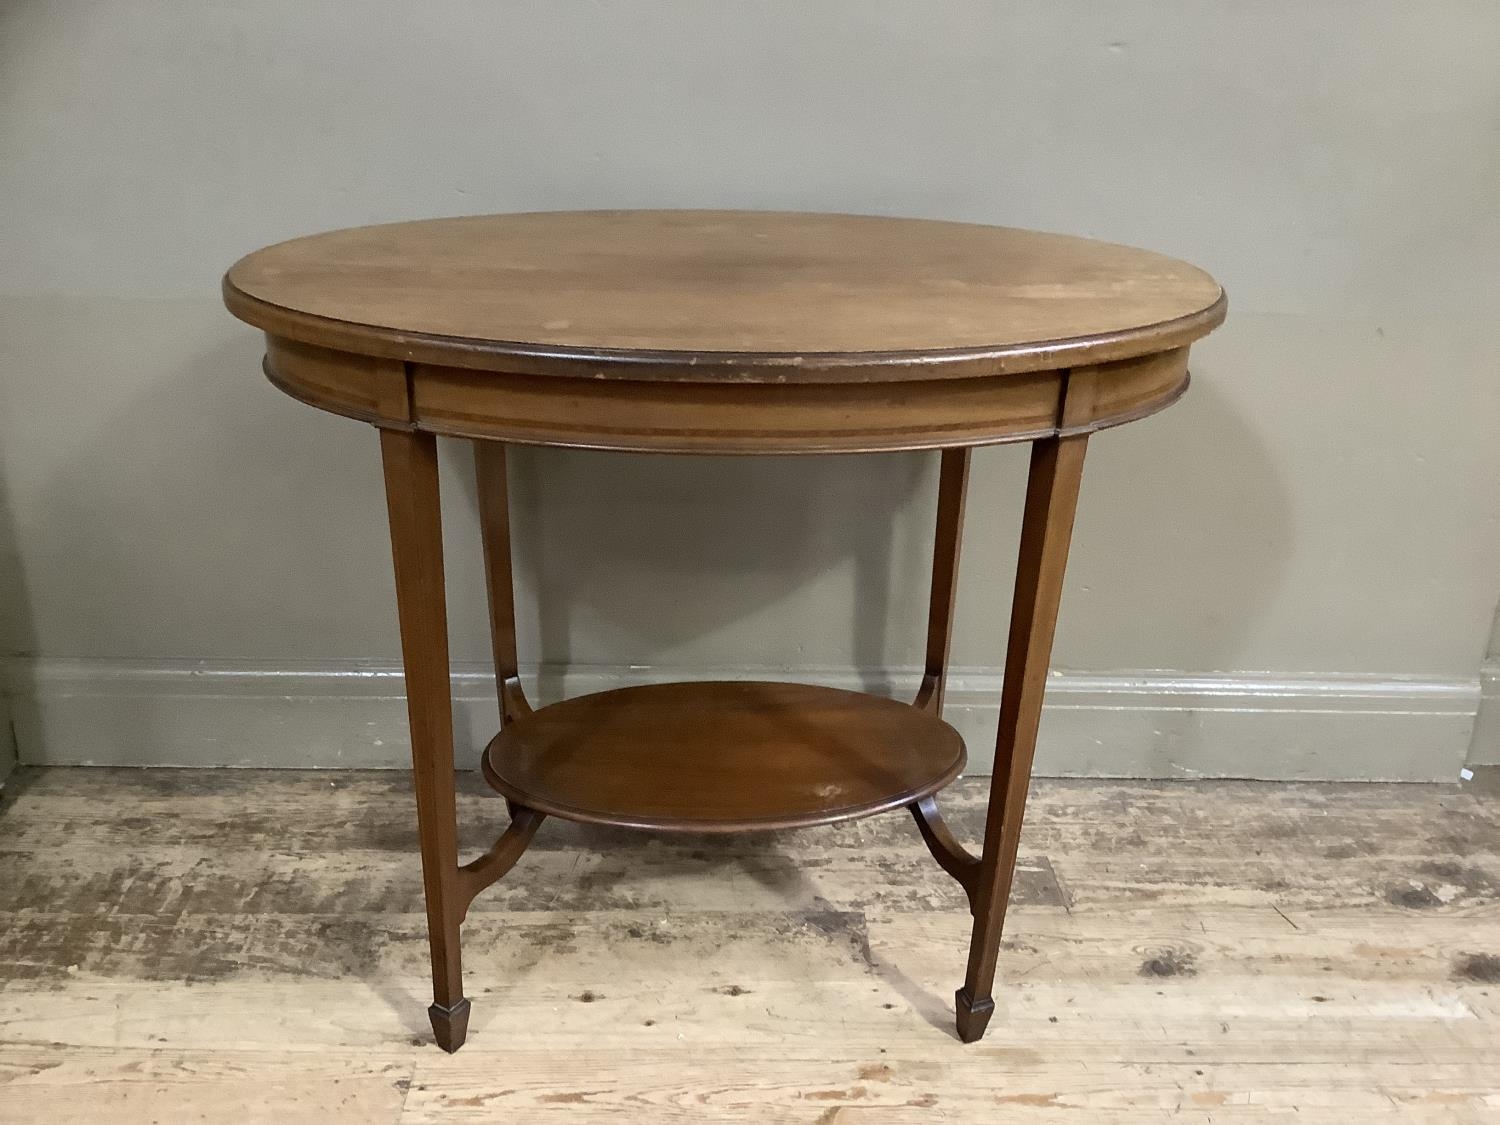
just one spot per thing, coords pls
(1324, 502)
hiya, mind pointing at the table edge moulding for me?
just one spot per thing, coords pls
(721, 332)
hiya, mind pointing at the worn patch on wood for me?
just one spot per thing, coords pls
(1444, 883)
(1483, 968)
(1413, 896)
(1170, 963)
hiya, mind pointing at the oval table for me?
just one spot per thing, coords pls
(721, 332)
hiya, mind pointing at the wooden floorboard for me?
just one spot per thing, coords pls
(202, 945)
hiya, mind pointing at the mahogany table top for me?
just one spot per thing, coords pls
(723, 295)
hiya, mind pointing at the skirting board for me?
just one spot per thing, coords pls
(1150, 724)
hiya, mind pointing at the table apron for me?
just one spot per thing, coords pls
(726, 416)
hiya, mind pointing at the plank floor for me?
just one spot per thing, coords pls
(181, 946)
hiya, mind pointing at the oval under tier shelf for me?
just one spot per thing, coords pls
(722, 756)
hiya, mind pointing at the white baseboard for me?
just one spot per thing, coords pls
(1149, 724)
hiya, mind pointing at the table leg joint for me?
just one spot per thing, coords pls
(513, 702)
(929, 694)
(478, 874)
(951, 855)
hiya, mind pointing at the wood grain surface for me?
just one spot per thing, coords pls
(706, 295)
(180, 945)
(722, 756)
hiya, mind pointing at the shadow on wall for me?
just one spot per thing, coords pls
(1184, 536)
(1484, 744)
(655, 559)
(212, 517)
(16, 637)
